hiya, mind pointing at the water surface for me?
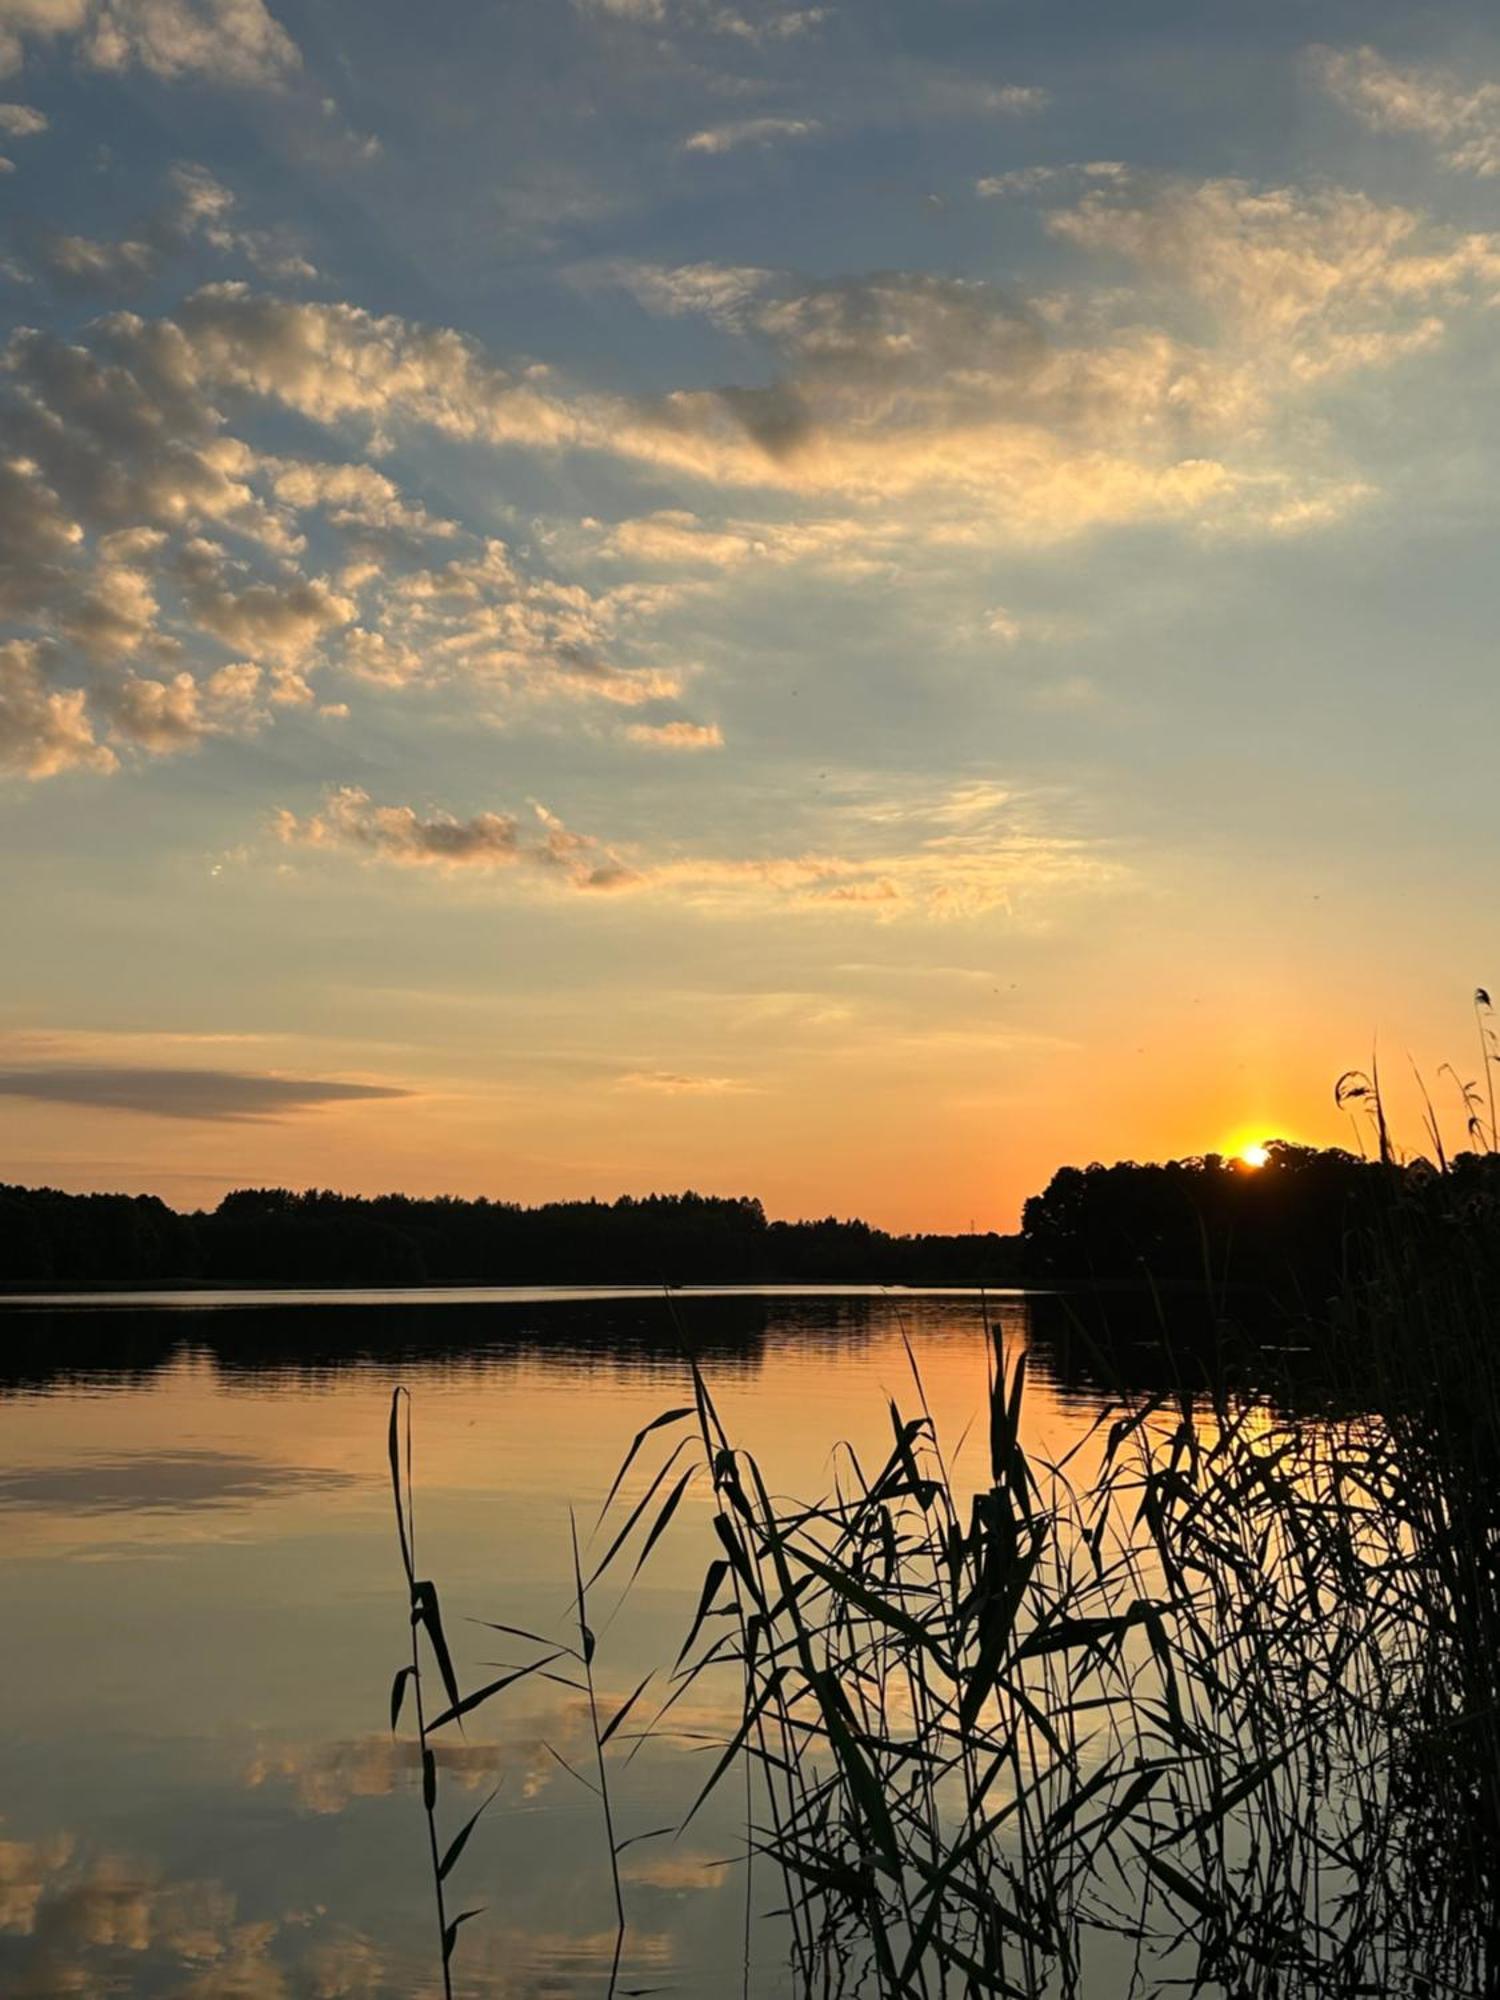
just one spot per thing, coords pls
(204, 1609)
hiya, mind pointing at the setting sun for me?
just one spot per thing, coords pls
(1255, 1154)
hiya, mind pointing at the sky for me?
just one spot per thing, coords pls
(848, 602)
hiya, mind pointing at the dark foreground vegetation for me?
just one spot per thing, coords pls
(1210, 1707)
(1290, 1227)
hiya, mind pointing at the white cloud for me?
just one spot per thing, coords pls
(750, 132)
(1461, 118)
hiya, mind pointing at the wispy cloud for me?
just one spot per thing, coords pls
(975, 849)
(672, 1083)
(351, 819)
(1459, 116)
(750, 132)
(679, 735)
(216, 1094)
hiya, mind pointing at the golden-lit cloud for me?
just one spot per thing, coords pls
(975, 850)
(43, 729)
(226, 41)
(351, 819)
(680, 735)
(1461, 117)
(902, 411)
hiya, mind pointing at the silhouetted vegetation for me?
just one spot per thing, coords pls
(1291, 1228)
(1211, 1705)
(272, 1236)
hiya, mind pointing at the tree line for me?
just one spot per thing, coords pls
(1293, 1223)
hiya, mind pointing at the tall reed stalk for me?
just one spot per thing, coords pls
(1211, 1704)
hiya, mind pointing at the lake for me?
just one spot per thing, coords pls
(205, 1608)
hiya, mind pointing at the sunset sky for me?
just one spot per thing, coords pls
(848, 602)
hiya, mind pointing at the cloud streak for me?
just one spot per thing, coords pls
(973, 851)
(218, 1095)
(741, 132)
(352, 820)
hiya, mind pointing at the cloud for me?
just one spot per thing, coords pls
(215, 1094)
(670, 1083)
(43, 729)
(135, 526)
(968, 96)
(91, 265)
(285, 618)
(480, 618)
(1031, 180)
(1347, 282)
(142, 530)
(760, 22)
(20, 121)
(351, 819)
(225, 41)
(847, 546)
(973, 850)
(198, 209)
(750, 132)
(75, 1912)
(1462, 119)
(165, 716)
(353, 495)
(676, 735)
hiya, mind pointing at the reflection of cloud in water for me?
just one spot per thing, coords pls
(516, 1964)
(327, 1776)
(679, 1874)
(161, 1481)
(110, 1923)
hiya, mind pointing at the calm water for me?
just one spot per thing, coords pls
(204, 1610)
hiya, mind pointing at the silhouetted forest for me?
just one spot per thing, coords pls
(273, 1236)
(1287, 1226)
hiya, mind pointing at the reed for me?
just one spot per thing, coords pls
(1211, 1704)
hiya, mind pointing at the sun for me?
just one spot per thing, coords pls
(1255, 1154)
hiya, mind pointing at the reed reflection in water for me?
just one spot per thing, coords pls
(199, 1794)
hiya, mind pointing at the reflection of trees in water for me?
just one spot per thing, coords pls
(735, 1334)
